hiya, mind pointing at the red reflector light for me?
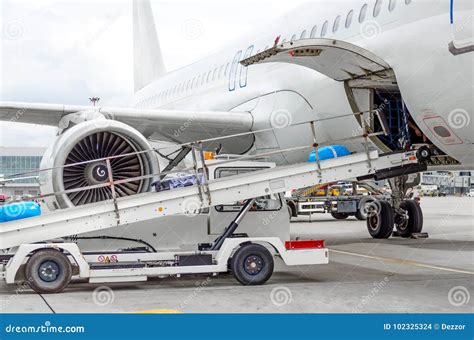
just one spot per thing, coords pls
(292, 53)
(305, 244)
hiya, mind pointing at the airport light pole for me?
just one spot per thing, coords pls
(94, 100)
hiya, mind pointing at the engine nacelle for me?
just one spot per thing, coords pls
(90, 140)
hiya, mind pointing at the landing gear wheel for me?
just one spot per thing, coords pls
(380, 223)
(48, 271)
(361, 213)
(252, 264)
(412, 221)
(339, 216)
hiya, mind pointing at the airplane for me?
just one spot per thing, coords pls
(408, 62)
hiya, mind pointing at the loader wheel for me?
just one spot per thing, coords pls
(380, 223)
(48, 271)
(423, 153)
(339, 216)
(412, 222)
(252, 264)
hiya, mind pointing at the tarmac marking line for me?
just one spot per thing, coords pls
(406, 262)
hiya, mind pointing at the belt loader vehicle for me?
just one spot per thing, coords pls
(46, 250)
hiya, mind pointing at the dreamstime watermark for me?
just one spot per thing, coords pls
(378, 287)
(5, 303)
(13, 30)
(18, 115)
(102, 120)
(458, 119)
(370, 29)
(103, 296)
(191, 206)
(280, 119)
(372, 208)
(200, 285)
(192, 29)
(179, 131)
(271, 216)
(47, 327)
(281, 296)
(459, 296)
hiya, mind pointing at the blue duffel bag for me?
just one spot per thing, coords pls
(19, 211)
(328, 152)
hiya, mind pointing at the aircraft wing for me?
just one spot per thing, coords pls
(178, 126)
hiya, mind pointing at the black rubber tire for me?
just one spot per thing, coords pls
(339, 216)
(423, 153)
(293, 210)
(256, 254)
(380, 225)
(415, 219)
(360, 216)
(60, 281)
(290, 212)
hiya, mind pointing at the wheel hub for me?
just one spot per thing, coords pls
(48, 271)
(253, 264)
(373, 222)
(401, 220)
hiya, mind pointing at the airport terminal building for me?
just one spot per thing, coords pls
(17, 161)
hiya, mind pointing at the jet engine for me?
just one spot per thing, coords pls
(89, 141)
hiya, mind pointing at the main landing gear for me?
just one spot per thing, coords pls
(407, 220)
(401, 217)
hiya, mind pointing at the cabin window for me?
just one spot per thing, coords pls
(335, 27)
(214, 74)
(233, 70)
(349, 18)
(391, 5)
(377, 8)
(324, 29)
(363, 13)
(244, 70)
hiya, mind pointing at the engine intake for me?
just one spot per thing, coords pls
(93, 140)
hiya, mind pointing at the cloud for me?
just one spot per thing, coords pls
(67, 51)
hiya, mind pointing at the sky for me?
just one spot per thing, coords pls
(67, 51)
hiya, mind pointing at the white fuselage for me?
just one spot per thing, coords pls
(412, 38)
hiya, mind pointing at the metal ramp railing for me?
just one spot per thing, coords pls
(132, 209)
